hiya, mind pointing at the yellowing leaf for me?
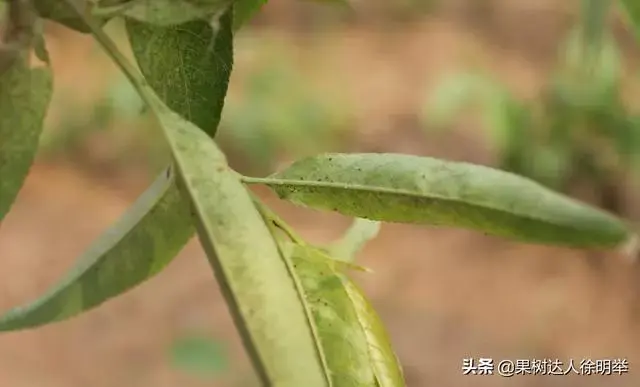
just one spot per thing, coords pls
(355, 346)
(254, 279)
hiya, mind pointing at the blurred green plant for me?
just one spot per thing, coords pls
(278, 113)
(109, 123)
(275, 113)
(199, 355)
(577, 131)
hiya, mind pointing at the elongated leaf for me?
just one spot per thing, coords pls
(254, 278)
(360, 232)
(245, 259)
(411, 189)
(133, 250)
(174, 12)
(24, 98)
(355, 345)
(188, 66)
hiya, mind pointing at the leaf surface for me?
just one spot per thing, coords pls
(63, 13)
(253, 277)
(134, 249)
(188, 66)
(355, 345)
(25, 94)
(422, 190)
(174, 12)
(245, 258)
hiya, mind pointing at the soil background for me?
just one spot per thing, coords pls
(444, 294)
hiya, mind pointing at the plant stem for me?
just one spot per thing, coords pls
(159, 109)
(134, 76)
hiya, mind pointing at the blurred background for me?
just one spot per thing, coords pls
(497, 82)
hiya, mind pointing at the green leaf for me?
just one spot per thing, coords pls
(40, 49)
(360, 232)
(188, 66)
(25, 94)
(422, 190)
(245, 258)
(631, 8)
(244, 11)
(254, 278)
(198, 355)
(134, 249)
(355, 346)
(63, 13)
(173, 12)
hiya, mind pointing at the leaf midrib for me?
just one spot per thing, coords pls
(401, 192)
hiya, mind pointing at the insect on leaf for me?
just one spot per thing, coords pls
(139, 245)
(355, 345)
(25, 94)
(422, 190)
(188, 66)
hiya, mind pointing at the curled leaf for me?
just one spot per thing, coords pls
(25, 94)
(356, 348)
(422, 190)
(134, 249)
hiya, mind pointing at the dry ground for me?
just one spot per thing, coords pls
(444, 294)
